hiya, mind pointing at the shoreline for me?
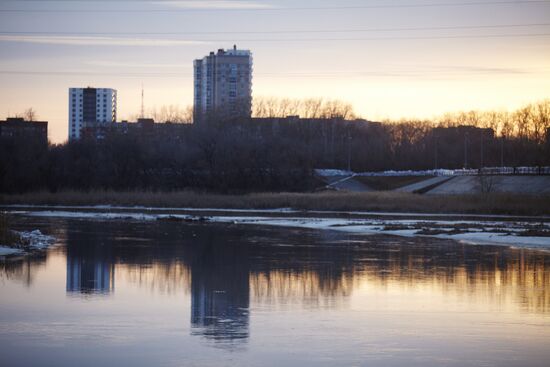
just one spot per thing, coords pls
(368, 202)
(510, 231)
(16, 208)
(29, 242)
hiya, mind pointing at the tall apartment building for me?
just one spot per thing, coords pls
(90, 106)
(223, 84)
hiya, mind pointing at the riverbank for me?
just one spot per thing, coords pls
(494, 203)
(20, 243)
(516, 231)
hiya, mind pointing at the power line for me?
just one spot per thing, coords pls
(279, 9)
(383, 38)
(72, 40)
(328, 74)
(495, 26)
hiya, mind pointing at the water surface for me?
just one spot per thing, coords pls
(172, 294)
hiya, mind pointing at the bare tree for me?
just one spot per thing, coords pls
(28, 115)
(541, 120)
(486, 182)
(312, 108)
(169, 113)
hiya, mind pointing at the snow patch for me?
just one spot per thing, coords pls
(147, 208)
(439, 172)
(58, 208)
(29, 241)
(36, 240)
(470, 231)
(333, 172)
(6, 251)
(479, 238)
(470, 235)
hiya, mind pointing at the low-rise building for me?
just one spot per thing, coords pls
(16, 127)
(143, 128)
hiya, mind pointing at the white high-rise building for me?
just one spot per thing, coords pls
(223, 84)
(90, 106)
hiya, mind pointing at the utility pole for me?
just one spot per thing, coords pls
(465, 150)
(502, 151)
(142, 103)
(481, 152)
(435, 152)
(349, 151)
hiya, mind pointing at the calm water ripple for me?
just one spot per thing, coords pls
(169, 294)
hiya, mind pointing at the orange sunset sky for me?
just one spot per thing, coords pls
(389, 59)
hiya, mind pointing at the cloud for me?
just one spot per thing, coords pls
(106, 63)
(218, 4)
(98, 41)
(472, 69)
(489, 70)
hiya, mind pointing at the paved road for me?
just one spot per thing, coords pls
(419, 186)
(448, 185)
(346, 183)
(512, 184)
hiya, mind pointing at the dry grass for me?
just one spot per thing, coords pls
(371, 201)
(7, 237)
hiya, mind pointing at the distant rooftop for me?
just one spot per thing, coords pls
(18, 120)
(232, 52)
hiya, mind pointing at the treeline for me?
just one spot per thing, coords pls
(310, 108)
(210, 157)
(168, 113)
(529, 122)
(272, 154)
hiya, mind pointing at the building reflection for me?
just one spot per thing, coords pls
(226, 269)
(220, 293)
(85, 275)
(90, 266)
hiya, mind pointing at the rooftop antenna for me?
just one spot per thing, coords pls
(142, 103)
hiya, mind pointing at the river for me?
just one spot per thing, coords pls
(161, 293)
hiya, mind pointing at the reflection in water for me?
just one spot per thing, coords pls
(90, 267)
(220, 293)
(23, 269)
(229, 268)
(89, 276)
(306, 287)
(164, 277)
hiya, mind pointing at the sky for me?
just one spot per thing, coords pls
(389, 59)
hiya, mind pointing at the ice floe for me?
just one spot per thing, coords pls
(512, 233)
(36, 239)
(7, 251)
(28, 241)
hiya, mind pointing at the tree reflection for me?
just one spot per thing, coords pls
(220, 293)
(228, 268)
(23, 269)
